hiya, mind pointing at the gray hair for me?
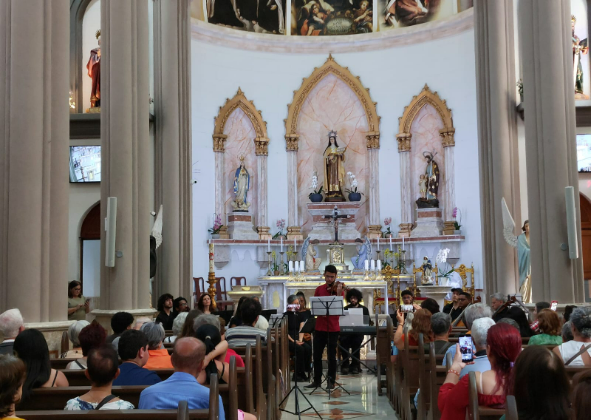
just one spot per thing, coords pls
(509, 321)
(499, 296)
(480, 329)
(440, 323)
(179, 321)
(581, 319)
(11, 322)
(155, 334)
(292, 298)
(207, 319)
(141, 321)
(74, 331)
(567, 332)
(476, 311)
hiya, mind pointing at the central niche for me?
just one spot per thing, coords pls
(331, 105)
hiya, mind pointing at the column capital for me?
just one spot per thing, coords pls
(447, 137)
(262, 146)
(291, 142)
(373, 140)
(403, 140)
(219, 142)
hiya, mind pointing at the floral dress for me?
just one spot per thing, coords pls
(78, 404)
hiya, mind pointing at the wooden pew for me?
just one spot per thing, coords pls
(77, 377)
(384, 338)
(60, 364)
(65, 343)
(410, 377)
(427, 363)
(511, 413)
(476, 412)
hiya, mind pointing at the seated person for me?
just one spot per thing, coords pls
(493, 385)
(187, 359)
(453, 308)
(421, 324)
(140, 321)
(179, 306)
(549, 325)
(11, 325)
(464, 299)
(73, 333)
(538, 308)
(352, 341)
(133, 351)
(177, 327)
(222, 347)
(211, 337)
(120, 322)
(250, 310)
(159, 357)
(297, 346)
(581, 402)
(188, 330)
(509, 321)
(30, 346)
(91, 337)
(103, 368)
(165, 314)
(480, 363)
(441, 327)
(12, 378)
(580, 321)
(431, 305)
(407, 297)
(497, 300)
(567, 332)
(471, 314)
(520, 317)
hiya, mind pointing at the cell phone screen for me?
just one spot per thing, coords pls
(554, 305)
(466, 348)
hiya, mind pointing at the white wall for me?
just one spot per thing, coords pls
(394, 76)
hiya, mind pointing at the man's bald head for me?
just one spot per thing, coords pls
(188, 355)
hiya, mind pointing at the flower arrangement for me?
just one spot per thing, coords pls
(314, 186)
(442, 259)
(217, 225)
(457, 225)
(387, 223)
(353, 183)
(280, 225)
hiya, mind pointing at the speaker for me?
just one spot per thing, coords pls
(571, 223)
(111, 229)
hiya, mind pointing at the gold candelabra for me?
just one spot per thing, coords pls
(211, 278)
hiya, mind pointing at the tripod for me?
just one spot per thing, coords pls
(296, 388)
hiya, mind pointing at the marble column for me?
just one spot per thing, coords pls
(262, 145)
(294, 231)
(449, 197)
(497, 134)
(546, 53)
(125, 144)
(34, 139)
(406, 204)
(172, 107)
(373, 150)
(219, 147)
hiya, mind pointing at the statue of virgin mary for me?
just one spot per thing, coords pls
(334, 170)
(241, 187)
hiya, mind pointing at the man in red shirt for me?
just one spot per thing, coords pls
(327, 332)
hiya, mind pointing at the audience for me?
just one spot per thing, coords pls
(240, 336)
(30, 346)
(211, 337)
(12, 378)
(103, 368)
(497, 300)
(549, 325)
(11, 325)
(421, 324)
(73, 333)
(177, 327)
(580, 321)
(481, 363)
(453, 308)
(407, 297)
(471, 314)
(188, 330)
(521, 318)
(133, 352)
(581, 403)
(464, 299)
(493, 385)
(431, 305)
(91, 337)
(78, 305)
(568, 309)
(538, 308)
(187, 359)
(441, 327)
(120, 322)
(165, 314)
(141, 321)
(204, 303)
(567, 332)
(540, 385)
(222, 347)
(159, 357)
(511, 322)
(179, 306)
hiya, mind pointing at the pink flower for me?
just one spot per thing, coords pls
(387, 221)
(454, 213)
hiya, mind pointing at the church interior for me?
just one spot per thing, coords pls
(354, 247)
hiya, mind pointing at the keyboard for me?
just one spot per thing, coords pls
(362, 329)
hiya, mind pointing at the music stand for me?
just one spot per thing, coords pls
(328, 306)
(275, 320)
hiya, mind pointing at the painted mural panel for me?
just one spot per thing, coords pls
(402, 13)
(331, 17)
(261, 16)
(580, 33)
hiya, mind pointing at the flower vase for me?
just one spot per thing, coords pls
(215, 236)
(355, 196)
(316, 198)
(457, 232)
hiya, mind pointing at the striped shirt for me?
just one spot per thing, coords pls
(243, 335)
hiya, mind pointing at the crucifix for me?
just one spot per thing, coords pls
(335, 218)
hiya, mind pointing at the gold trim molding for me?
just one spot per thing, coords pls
(354, 83)
(427, 96)
(254, 115)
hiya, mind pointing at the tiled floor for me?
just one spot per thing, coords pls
(363, 401)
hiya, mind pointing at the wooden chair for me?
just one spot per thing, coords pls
(511, 412)
(65, 343)
(476, 412)
(237, 281)
(199, 284)
(221, 296)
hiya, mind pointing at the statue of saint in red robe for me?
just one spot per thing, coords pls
(94, 72)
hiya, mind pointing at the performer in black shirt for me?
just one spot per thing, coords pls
(453, 309)
(352, 341)
(296, 343)
(166, 315)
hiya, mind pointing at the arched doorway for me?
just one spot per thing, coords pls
(90, 251)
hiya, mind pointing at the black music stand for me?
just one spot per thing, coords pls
(328, 306)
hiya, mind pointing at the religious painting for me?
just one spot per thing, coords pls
(331, 17)
(261, 16)
(580, 31)
(402, 13)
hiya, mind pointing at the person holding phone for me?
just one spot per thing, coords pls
(78, 305)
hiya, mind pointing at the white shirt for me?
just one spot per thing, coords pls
(569, 349)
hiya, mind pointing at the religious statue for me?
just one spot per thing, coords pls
(520, 242)
(310, 254)
(241, 187)
(334, 170)
(427, 271)
(579, 47)
(429, 182)
(94, 71)
(363, 250)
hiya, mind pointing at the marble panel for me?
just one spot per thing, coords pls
(425, 137)
(240, 141)
(331, 105)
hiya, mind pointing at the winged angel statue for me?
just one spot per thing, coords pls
(520, 242)
(363, 250)
(310, 254)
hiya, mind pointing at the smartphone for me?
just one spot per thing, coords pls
(554, 305)
(466, 348)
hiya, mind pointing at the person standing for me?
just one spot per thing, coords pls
(327, 331)
(77, 304)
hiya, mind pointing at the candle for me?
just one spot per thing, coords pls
(379, 265)
(373, 265)
(378, 243)
(390, 243)
(291, 266)
(281, 243)
(269, 245)
(294, 244)
(403, 243)
(302, 266)
(296, 266)
(366, 265)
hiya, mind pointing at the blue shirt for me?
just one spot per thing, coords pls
(180, 386)
(481, 363)
(132, 374)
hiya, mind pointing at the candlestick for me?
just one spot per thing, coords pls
(269, 273)
(403, 243)
(268, 244)
(281, 265)
(378, 244)
(281, 243)
(390, 243)
(302, 266)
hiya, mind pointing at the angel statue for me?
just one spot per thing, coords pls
(363, 250)
(520, 242)
(241, 187)
(310, 254)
